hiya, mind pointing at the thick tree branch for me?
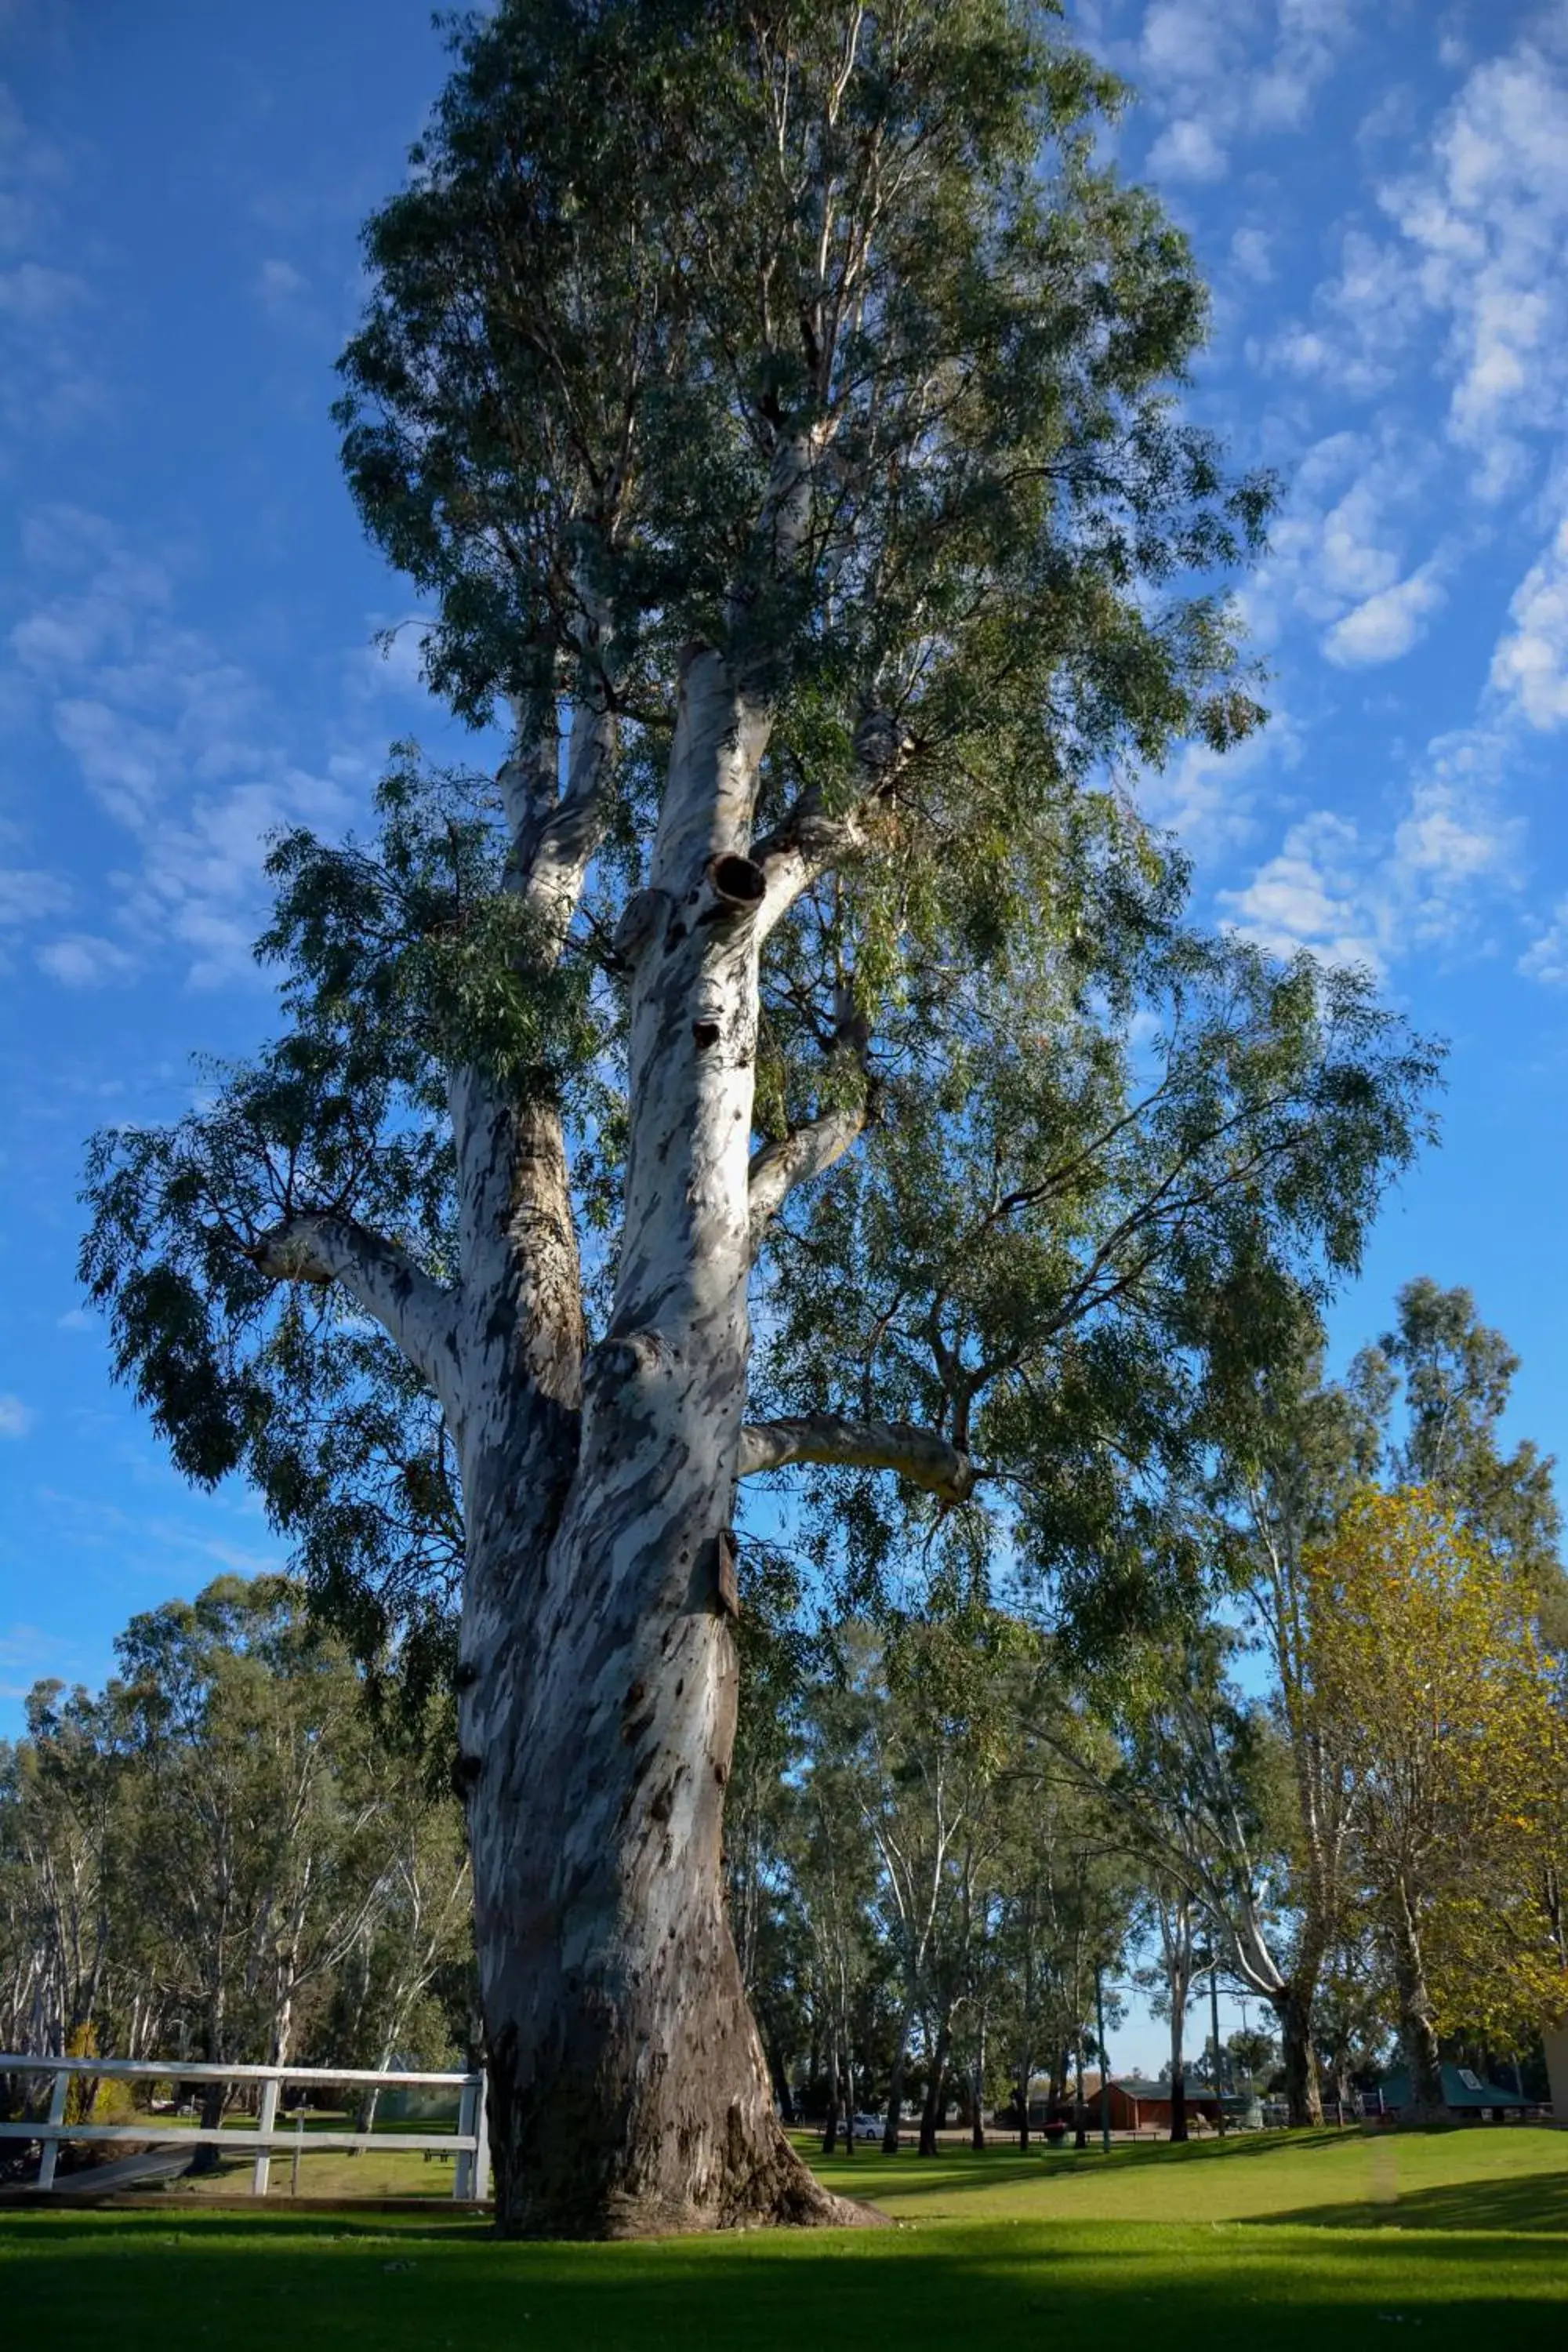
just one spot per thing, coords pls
(552, 851)
(809, 1151)
(812, 1149)
(809, 842)
(917, 1454)
(418, 1315)
(808, 845)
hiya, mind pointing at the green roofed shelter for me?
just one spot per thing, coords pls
(1465, 2095)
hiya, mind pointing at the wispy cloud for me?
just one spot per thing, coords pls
(1530, 665)
(1472, 249)
(1340, 556)
(1354, 893)
(29, 894)
(173, 740)
(17, 1419)
(1546, 957)
(82, 959)
(1387, 623)
(1225, 73)
(47, 378)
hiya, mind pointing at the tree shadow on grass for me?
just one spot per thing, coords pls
(1532, 2204)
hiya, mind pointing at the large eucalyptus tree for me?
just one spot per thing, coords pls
(773, 403)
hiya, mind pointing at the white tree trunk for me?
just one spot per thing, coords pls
(598, 1681)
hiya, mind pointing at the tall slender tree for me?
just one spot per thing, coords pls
(773, 400)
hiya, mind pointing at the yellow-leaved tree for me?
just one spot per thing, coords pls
(1437, 1701)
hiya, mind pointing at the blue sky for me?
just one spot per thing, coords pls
(1378, 191)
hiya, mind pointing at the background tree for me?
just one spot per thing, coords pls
(1437, 1701)
(1439, 1385)
(773, 403)
(1170, 1918)
(1292, 1447)
(224, 1855)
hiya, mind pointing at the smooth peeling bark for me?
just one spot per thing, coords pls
(629, 2090)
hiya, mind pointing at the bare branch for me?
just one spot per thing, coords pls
(917, 1454)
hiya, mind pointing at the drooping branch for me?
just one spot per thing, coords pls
(917, 1454)
(417, 1314)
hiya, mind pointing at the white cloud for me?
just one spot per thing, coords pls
(1454, 840)
(1546, 958)
(286, 296)
(1487, 226)
(1251, 250)
(1387, 623)
(16, 1418)
(1308, 896)
(30, 895)
(280, 281)
(1339, 559)
(35, 295)
(1208, 799)
(1187, 149)
(80, 960)
(74, 1318)
(1363, 320)
(47, 378)
(1352, 897)
(1530, 664)
(1224, 72)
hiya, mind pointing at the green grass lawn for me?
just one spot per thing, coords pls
(1331, 2242)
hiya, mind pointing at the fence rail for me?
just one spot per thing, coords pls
(469, 2143)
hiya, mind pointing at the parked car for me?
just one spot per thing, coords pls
(868, 2127)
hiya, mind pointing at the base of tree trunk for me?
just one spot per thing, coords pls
(771, 2189)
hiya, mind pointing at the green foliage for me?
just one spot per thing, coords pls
(1447, 1378)
(641, 242)
(1086, 1215)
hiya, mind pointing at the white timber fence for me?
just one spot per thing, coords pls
(469, 2143)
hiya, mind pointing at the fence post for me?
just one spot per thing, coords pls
(266, 2118)
(57, 2115)
(298, 2144)
(482, 2153)
(468, 2117)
